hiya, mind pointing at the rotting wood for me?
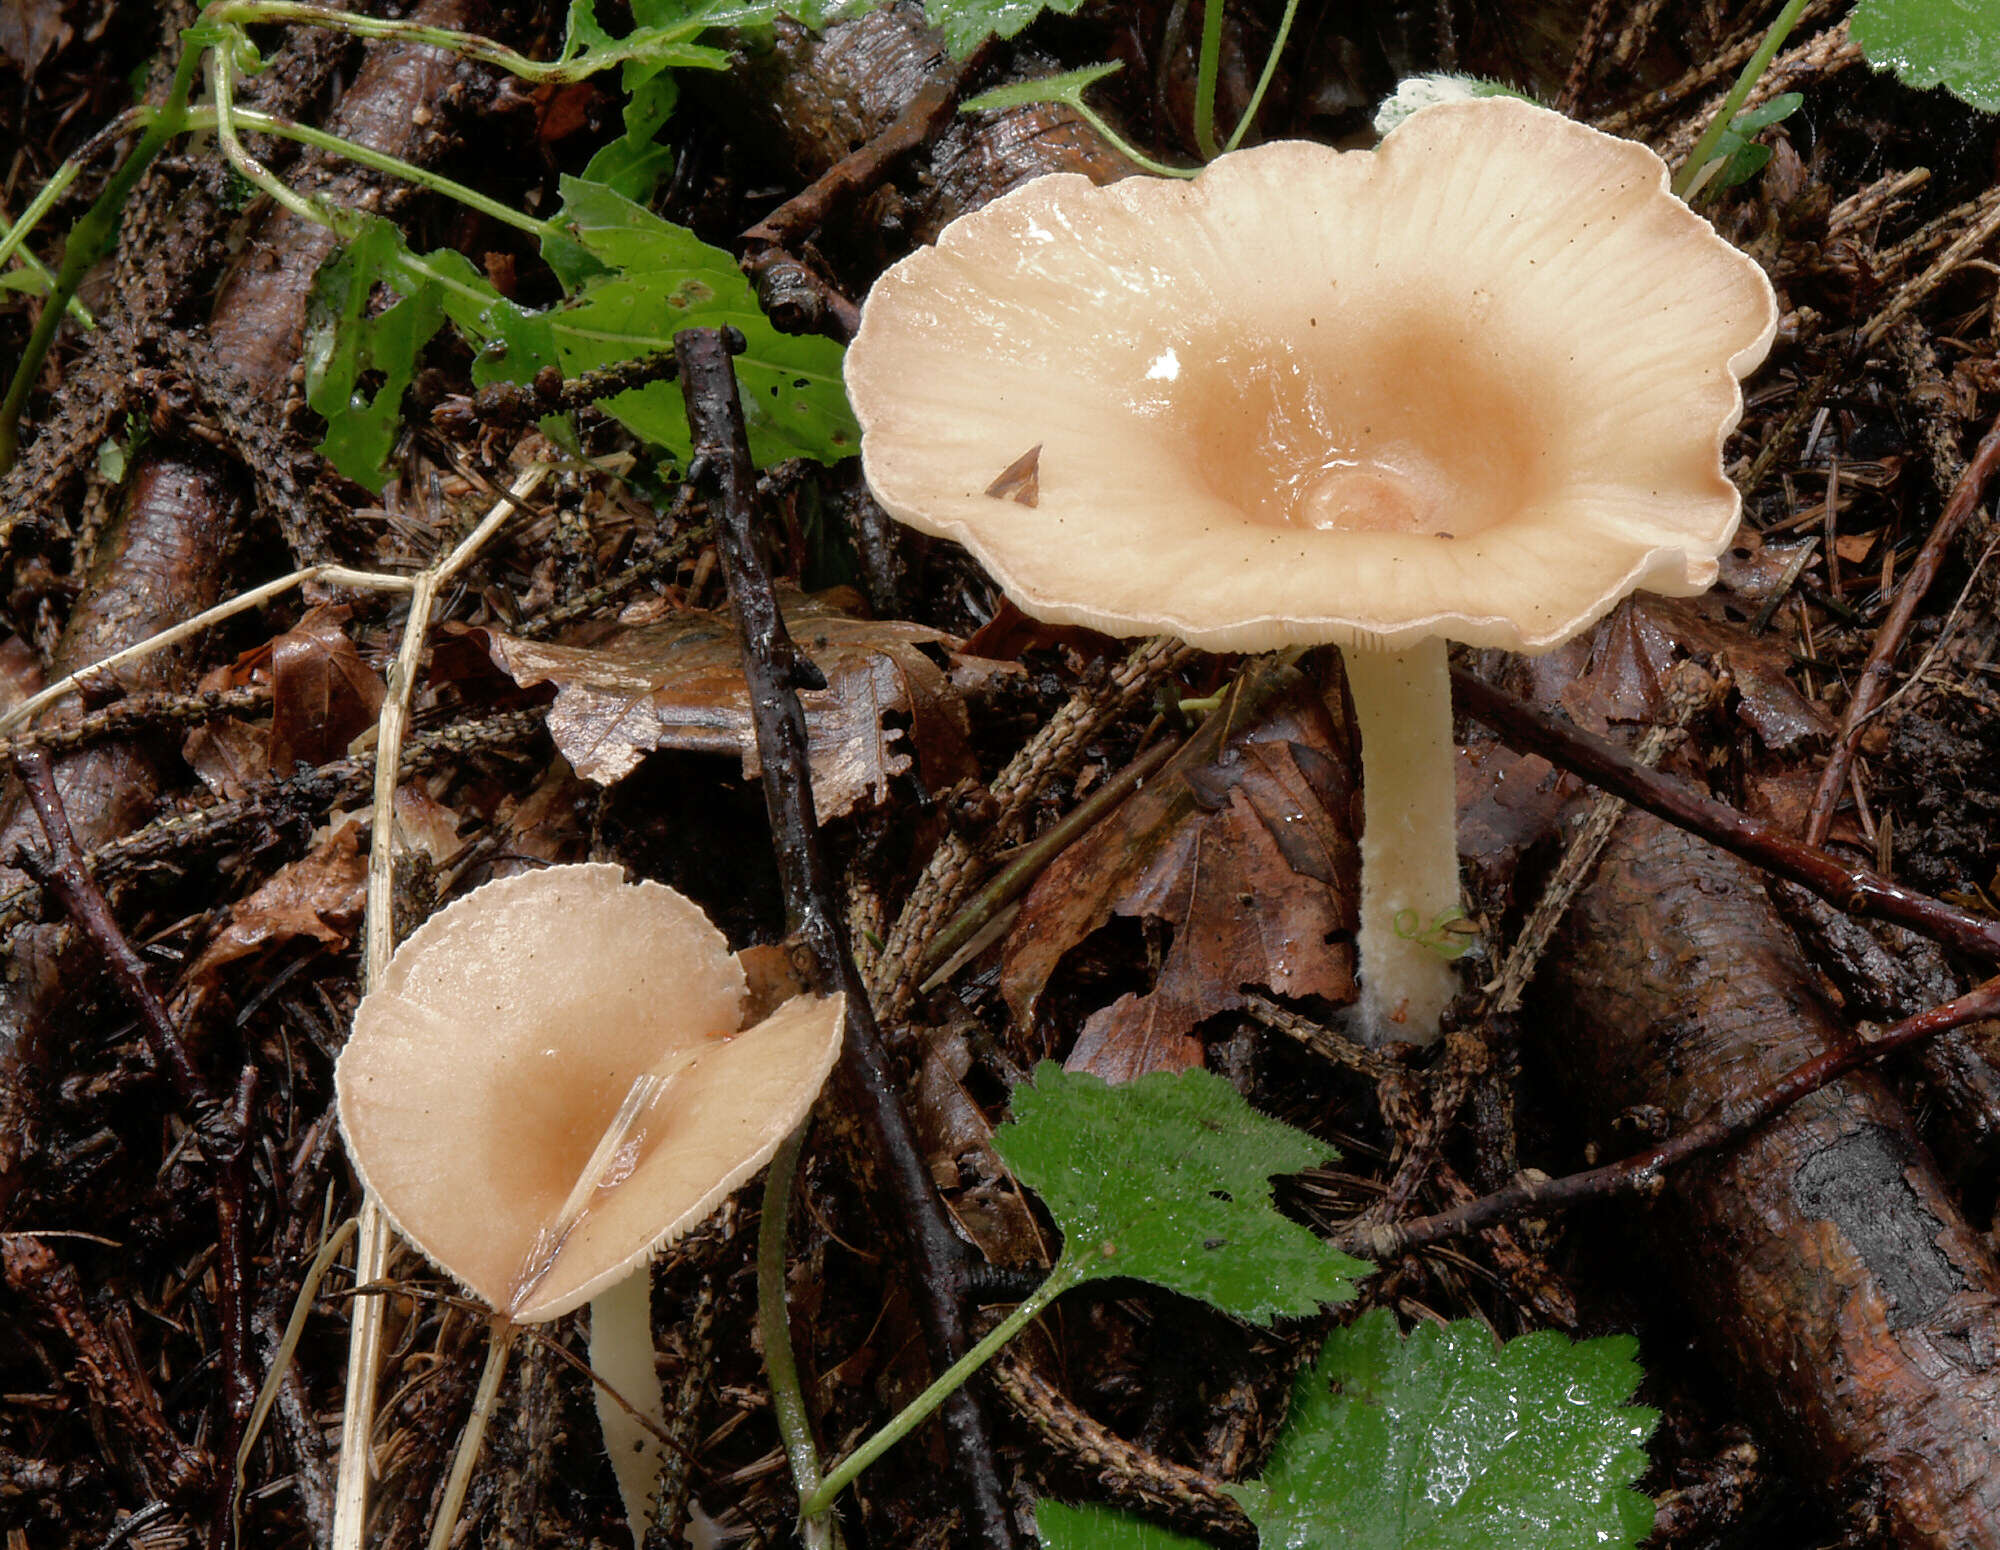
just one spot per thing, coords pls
(1857, 1310)
(163, 561)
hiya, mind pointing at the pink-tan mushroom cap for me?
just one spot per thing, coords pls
(485, 1070)
(1474, 383)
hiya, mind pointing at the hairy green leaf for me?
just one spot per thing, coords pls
(359, 364)
(1441, 1441)
(657, 279)
(1950, 43)
(1067, 87)
(968, 23)
(1102, 1528)
(1168, 1180)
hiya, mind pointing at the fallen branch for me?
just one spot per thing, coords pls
(775, 670)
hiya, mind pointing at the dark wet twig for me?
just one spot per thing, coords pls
(1645, 1172)
(63, 870)
(920, 122)
(776, 670)
(232, 1275)
(1873, 683)
(136, 713)
(1852, 889)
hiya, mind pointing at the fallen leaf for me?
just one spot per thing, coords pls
(1244, 845)
(319, 897)
(322, 694)
(679, 684)
(230, 756)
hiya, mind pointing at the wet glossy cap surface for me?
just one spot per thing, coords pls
(1473, 383)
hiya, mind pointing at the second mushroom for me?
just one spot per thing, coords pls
(1471, 386)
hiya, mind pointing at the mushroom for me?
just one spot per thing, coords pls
(549, 1085)
(1472, 385)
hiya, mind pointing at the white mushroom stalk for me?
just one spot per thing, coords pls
(549, 1085)
(1471, 386)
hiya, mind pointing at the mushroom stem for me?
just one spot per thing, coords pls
(621, 1354)
(1409, 840)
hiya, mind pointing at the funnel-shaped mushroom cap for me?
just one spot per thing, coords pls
(549, 1085)
(1474, 383)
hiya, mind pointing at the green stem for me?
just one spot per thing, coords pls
(244, 13)
(1264, 81)
(1065, 1275)
(1205, 78)
(381, 161)
(89, 240)
(1124, 147)
(1704, 150)
(774, 1325)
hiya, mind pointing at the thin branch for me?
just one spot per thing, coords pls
(775, 670)
(64, 871)
(1873, 683)
(1852, 889)
(1643, 1173)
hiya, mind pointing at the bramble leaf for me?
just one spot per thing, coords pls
(357, 364)
(658, 279)
(968, 23)
(1102, 1528)
(1168, 1179)
(1442, 1440)
(1949, 43)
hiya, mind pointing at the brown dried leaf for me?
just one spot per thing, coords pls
(322, 694)
(678, 684)
(229, 755)
(1245, 848)
(319, 897)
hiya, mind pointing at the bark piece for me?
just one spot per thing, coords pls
(161, 562)
(1823, 1257)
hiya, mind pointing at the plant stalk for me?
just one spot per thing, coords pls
(1687, 179)
(1065, 1275)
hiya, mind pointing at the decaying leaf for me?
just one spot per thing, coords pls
(322, 694)
(1244, 846)
(319, 896)
(679, 684)
(230, 755)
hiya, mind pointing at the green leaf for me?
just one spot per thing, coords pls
(1067, 87)
(1779, 108)
(1441, 1441)
(658, 279)
(1950, 43)
(358, 365)
(1102, 1528)
(968, 23)
(649, 48)
(633, 164)
(1168, 1180)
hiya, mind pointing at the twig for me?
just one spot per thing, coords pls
(232, 1301)
(1874, 679)
(1732, 1122)
(1586, 54)
(1851, 889)
(139, 713)
(775, 670)
(64, 871)
(921, 121)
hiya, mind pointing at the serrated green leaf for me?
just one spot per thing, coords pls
(1168, 1180)
(1102, 1528)
(968, 23)
(359, 364)
(1442, 1441)
(1067, 87)
(658, 279)
(663, 39)
(1949, 43)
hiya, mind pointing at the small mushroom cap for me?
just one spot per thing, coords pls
(1473, 383)
(487, 1067)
